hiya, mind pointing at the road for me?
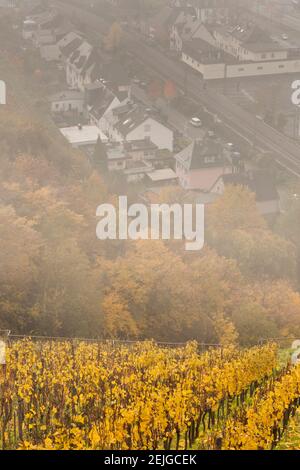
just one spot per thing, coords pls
(176, 119)
(286, 152)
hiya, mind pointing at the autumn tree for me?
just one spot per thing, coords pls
(20, 247)
(170, 91)
(114, 37)
(235, 209)
(237, 230)
(155, 89)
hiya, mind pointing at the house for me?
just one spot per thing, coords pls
(235, 50)
(47, 30)
(160, 25)
(136, 160)
(248, 42)
(135, 151)
(120, 160)
(41, 27)
(69, 44)
(212, 11)
(259, 182)
(183, 29)
(80, 64)
(83, 137)
(137, 170)
(146, 150)
(187, 27)
(101, 101)
(133, 122)
(116, 156)
(200, 164)
(67, 101)
(62, 38)
(205, 58)
(238, 52)
(86, 64)
(142, 149)
(162, 177)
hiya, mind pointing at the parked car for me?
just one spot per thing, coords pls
(211, 134)
(196, 122)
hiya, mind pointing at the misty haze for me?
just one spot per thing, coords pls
(119, 332)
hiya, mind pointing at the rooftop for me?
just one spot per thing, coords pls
(194, 156)
(250, 36)
(131, 116)
(143, 144)
(67, 95)
(100, 101)
(202, 51)
(164, 174)
(77, 135)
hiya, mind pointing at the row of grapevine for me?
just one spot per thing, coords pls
(61, 396)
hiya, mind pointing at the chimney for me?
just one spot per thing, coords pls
(79, 126)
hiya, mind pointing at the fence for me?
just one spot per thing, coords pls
(7, 337)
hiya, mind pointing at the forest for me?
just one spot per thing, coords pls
(57, 279)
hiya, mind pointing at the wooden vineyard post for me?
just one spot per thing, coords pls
(4, 334)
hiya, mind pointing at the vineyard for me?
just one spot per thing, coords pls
(78, 395)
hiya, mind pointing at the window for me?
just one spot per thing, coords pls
(263, 56)
(281, 66)
(260, 68)
(241, 69)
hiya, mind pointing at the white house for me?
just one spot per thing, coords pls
(227, 58)
(248, 42)
(133, 122)
(79, 66)
(67, 101)
(83, 136)
(101, 102)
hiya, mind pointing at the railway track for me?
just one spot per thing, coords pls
(286, 152)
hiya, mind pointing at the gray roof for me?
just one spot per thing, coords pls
(193, 157)
(71, 47)
(202, 51)
(212, 4)
(102, 100)
(67, 95)
(130, 117)
(251, 36)
(137, 145)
